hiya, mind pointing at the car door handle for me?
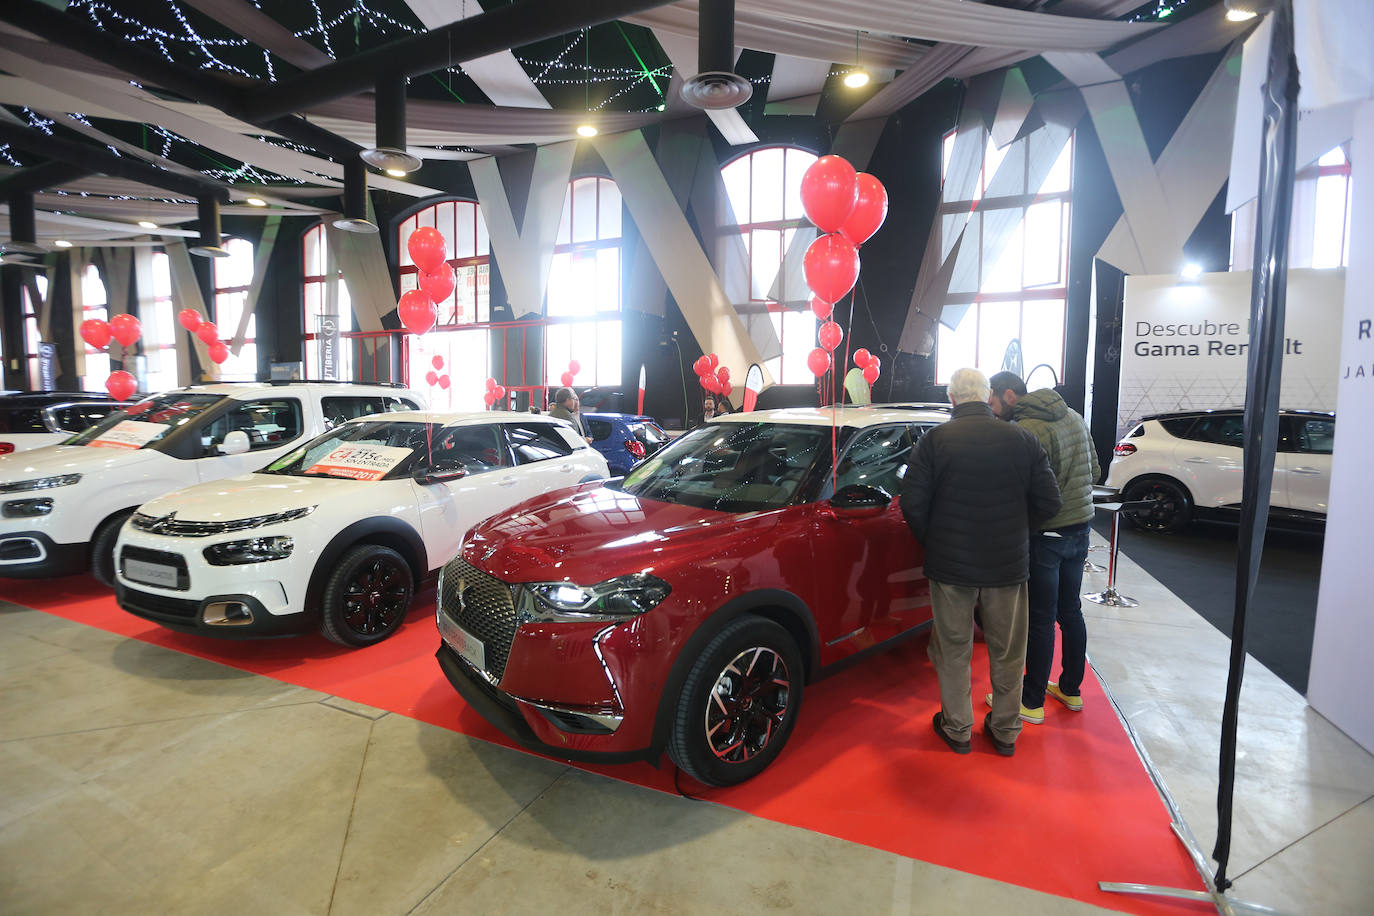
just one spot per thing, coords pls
(506, 482)
(565, 469)
(1305, 470)
(1197, 460)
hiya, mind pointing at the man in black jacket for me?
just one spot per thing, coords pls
(974, 490)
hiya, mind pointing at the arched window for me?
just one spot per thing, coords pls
(462, 344)
(764, 187)
(584, 286)
(31, 338)
(159, 341)
(93, 305)
(233, 276)
(1008, 286)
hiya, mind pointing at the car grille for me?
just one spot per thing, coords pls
(171, 526)
(481, 605)
(161, 605)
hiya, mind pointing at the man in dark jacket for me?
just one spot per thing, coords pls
(565, 407)
(1059, 550)
(974, 490)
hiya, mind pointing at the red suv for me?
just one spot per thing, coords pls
(684, 608)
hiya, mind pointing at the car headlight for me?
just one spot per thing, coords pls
(253, 550)
(41, 483)
(615, 599)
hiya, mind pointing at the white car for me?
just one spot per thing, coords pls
(336, 534)
(61, 507)
(35, 419)
(1189, 464)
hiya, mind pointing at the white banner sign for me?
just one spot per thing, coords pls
(360, 462)
(1184, 346)
(130, 434)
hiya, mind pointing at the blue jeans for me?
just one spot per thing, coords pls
(1056, 578)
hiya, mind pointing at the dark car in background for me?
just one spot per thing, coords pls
(624, 440)
(34, 419)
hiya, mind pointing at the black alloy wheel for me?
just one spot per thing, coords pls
(1170, 509)
(738, 704)
(367, 596)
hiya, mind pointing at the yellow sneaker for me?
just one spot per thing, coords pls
(1033, 716)
(1075, 704)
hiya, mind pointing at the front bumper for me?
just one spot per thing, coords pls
(197, 615)
(34, 555)
(518, 720)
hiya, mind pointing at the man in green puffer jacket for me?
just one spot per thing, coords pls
(1059, 550)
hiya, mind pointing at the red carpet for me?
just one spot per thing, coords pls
(1073, 807)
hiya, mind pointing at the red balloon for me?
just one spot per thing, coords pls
(831, 266)
(829, 191)
(567, 379)
(820, 308)
(861, 357)
(818, 361)
(427, 249)
(190, 319)
(870, 374)
(121, 385)
(439, 285)
(723, 373)
(726, 388)
(208, 332)
(444, 382)
(491, 383)
(830, 334)
(875, 362)
(126, 329)
(218, 352)
(869, 211)
(574, 367)
(417, 311)
(710, 384)
(438, 363)
(96, 333)
(431, 378)
(701, 366)
(489, 398)
(713, 360)
(499, 391)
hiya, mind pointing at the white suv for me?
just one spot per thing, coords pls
(1189, 464)
(336, 534)
(61, 507)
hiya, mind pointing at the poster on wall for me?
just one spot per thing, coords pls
(1184, 345)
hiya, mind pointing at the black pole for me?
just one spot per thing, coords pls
(1268, 290)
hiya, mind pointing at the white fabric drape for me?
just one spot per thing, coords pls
(262, 256)
(499, 75)
(186, 295)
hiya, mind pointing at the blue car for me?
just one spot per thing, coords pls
(624, 439)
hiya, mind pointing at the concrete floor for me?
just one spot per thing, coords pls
(138, 780)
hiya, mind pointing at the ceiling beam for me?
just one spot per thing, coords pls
(93, 159)
(38, 177)
(522, 22)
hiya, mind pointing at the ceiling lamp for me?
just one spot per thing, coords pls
(856, 79)
(1243, 10)
(587, 130)
(390, 154)
(354, 217)
(147, 224)
(255, 201)
(716, 86)
(207, 221)
(62, 243)
(22, 226)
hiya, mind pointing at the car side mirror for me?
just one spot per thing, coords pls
(235, 443)
(442, 473)
(860, 498)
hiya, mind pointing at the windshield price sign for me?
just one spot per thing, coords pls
(360, 462)
(131, 434)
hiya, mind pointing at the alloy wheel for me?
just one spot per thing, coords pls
(377, 597)
(748, 704)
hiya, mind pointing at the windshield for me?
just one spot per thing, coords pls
(732, 467)
(376, 450)
(146, 423)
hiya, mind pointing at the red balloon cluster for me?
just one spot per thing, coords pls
(714, 377)
(429, 251)
(124, 328)
(870, 364)
(208, 333)
(848, 207)
(570, 373)
(432, 377)
(494, 392)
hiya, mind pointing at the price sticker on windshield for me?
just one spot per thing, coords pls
(360, 462)
(131, 434)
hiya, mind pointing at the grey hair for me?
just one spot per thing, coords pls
(562, 394)
(967, 385)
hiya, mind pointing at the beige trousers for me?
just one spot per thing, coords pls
(1004, 613)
